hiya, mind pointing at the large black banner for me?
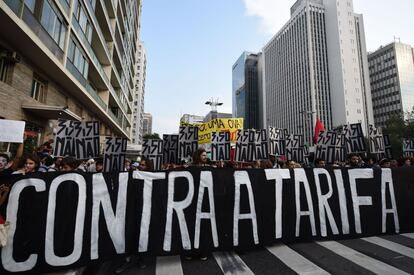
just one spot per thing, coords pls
(66, 220)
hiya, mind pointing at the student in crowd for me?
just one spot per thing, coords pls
(127, 165)
(200, 157)
(4, 192)
(320, 163)
(385, 163)
(46, 161)
(28, 164)
(99, 165)
(68, 164)
(5, 165)
(353, 161)
(406, 162)
(146, 164)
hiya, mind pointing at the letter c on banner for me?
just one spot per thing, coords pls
(12, 208)
(50, 256)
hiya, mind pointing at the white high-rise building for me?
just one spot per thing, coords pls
(316, 67)
(139, 95)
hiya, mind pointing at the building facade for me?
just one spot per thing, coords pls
(139, 95)
(147, 124)
(68, 59)
(191, 119)
(316, 67)
(391, 70)
(246, 94)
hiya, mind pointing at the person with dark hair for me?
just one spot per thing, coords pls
(45, 162)
(319, 163)
(406, 161)
(56, 164)
(68, 164)
(353, 161)
(385, 163)
(99, 165)
(146, 164)
(28, 164)
(5, 165)
(200, 157)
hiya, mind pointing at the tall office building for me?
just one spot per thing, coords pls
(246, 89)
(68, 59)
(139, 95)
(147, 124)
(391, 71)
(316, 67)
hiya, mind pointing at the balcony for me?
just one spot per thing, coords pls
(84, 82)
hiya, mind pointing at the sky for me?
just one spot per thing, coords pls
(191, 46)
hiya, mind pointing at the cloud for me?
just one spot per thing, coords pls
(273, 14)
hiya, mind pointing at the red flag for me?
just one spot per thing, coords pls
(319, 127)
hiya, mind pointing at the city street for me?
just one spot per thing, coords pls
(373, 255)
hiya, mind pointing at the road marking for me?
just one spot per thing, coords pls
(168, 265)
(409, 235)
(401, 249)
(360, 259)
(231, 263)
(294, 260)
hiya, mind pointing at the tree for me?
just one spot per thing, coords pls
(151, 136)
(398, 127)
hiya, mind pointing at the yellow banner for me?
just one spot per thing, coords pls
(217, 125)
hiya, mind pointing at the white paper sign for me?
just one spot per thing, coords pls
(11, 130)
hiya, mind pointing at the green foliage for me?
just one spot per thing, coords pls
(151, 136)
(398, 127)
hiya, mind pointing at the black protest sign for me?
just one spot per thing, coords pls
(377, 142)
(220, 146)
(408, 147)
(245, 146)
(353, 138)
(261, 145)
(251, 145)
(170, 149)
(77, 139)
(85, 218)
(187, 142)
(387, 145)
(153, 150)
(114, 155)
(277, 141)
(330, 147)
(295, 148)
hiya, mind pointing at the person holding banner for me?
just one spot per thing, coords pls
(5, 165)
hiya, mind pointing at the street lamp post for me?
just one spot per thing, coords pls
(213, 104)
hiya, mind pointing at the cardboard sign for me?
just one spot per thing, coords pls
(77, 139)
(330, 147)
(206, 129)
(170, 149)
(251, 145)
(295, 148)
(153, 150)
(11, 130)
(408, 147)
(114, 155)
(277, 141)
(353, 138)
(187, 142)
(220, 146)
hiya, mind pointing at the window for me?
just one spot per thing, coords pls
(30, 4)
(83, 20)
(78, 59)
(38, 90)
(4, 68)
(53, 24)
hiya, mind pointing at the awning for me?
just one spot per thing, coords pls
(51, 112)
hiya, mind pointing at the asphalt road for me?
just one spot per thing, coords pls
(373, 255)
